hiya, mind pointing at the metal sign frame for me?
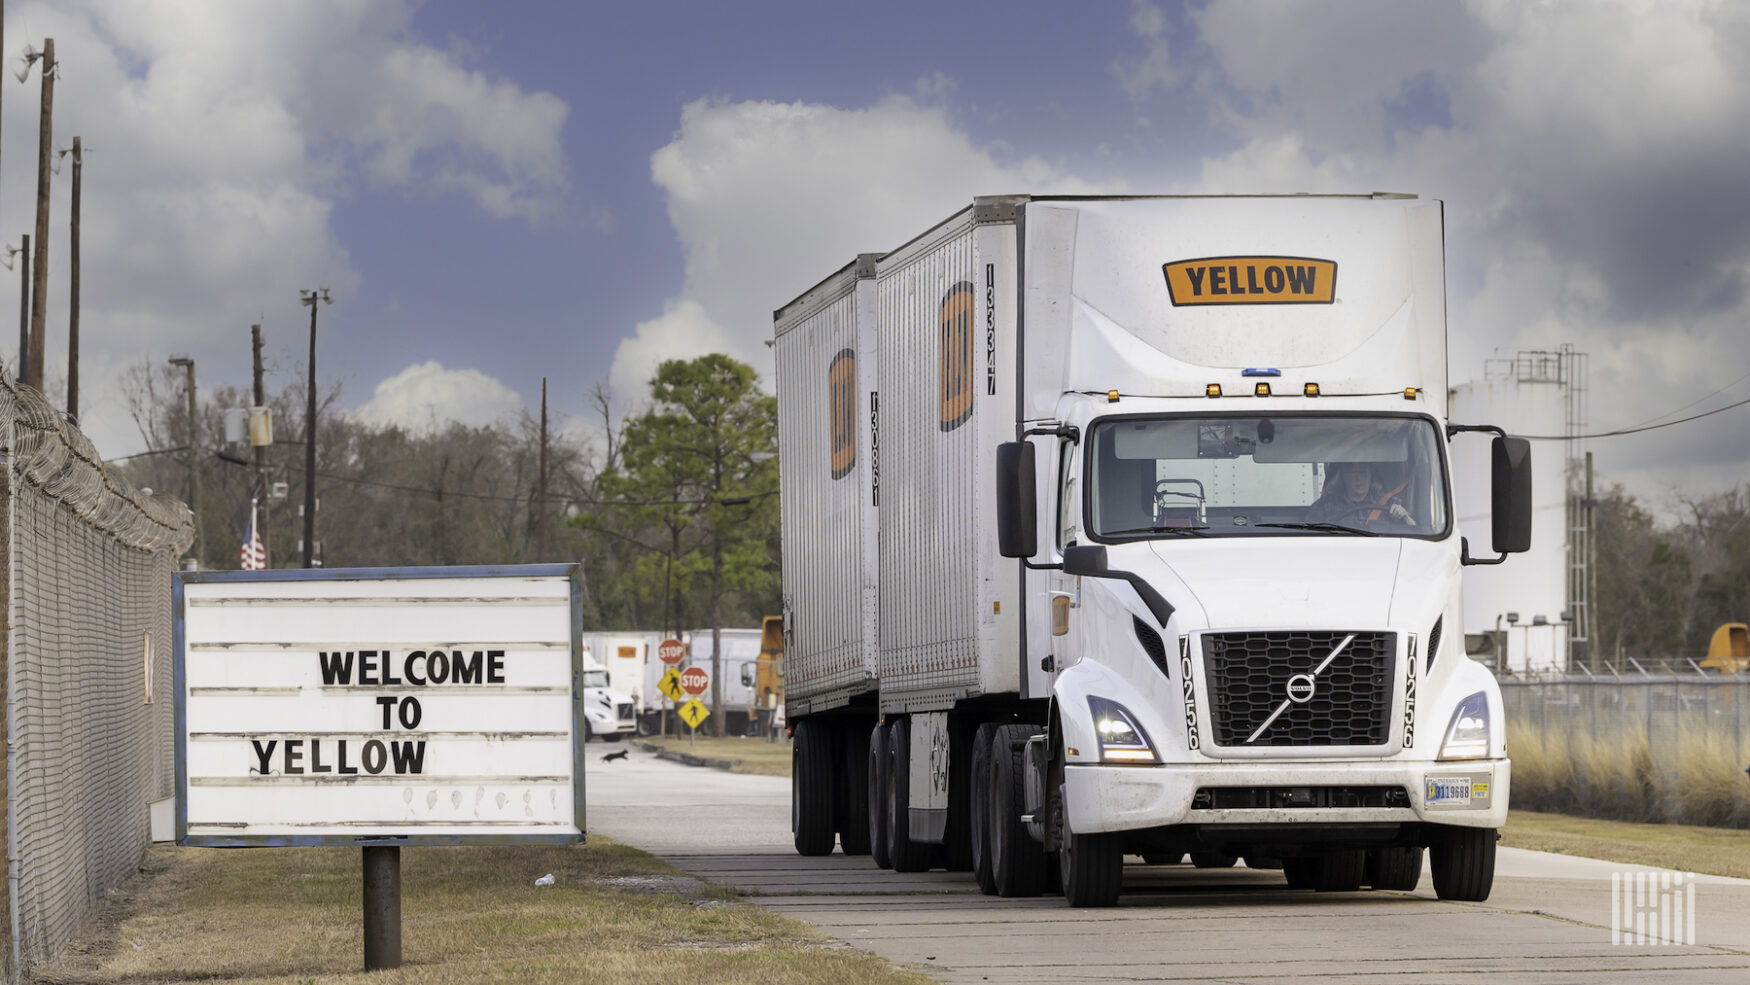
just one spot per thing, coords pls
(572, 572)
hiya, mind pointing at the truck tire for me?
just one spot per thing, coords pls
(1213, 860)
(1339, 872)
(1090, 867)
(877, 795)
(1298, 872)
(980, 809)
(957, 839)
(853, 812)
(1017, 861)
(905, 854)
(1394, 868)
(811, 769)
(1463, 860)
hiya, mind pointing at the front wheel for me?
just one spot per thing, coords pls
(1090, 867)
(1463, 860)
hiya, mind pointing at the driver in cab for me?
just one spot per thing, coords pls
(1353, 496)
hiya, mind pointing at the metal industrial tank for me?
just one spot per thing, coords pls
(1522, 602)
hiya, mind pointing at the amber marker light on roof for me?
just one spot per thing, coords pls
(1311, 389)
(1212, 390)
(1410, 392)
(1111, 396)
(1261, 390)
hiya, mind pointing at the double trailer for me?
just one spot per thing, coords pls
(1123, 526)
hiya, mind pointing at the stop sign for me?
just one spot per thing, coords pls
(694, 680)
(671, 651)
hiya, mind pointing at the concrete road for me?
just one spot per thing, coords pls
(1548, 920)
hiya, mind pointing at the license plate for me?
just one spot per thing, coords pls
(1448, 790)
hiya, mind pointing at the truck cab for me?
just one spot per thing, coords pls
(608, 713)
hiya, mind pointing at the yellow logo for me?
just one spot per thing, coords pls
(956, 355)
(841, 385)
(1251, 280)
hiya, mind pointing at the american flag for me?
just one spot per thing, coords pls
(253, 554)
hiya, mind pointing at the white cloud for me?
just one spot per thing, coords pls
(426, 396)
(768, 198)
(220, 136)
(1591, 157)
(1154, 68)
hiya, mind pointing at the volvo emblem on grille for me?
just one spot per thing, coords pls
(1300, 688)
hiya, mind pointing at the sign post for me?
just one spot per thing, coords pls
(374, 708)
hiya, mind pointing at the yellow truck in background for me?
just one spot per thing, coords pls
(766, 674)
(1729, 650)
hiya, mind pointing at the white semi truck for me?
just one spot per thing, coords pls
(607, 713)
(1123, 526)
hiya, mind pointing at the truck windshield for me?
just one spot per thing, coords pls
(1300, 475)
(595, 678)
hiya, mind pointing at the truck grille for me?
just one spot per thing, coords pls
(624, 709)
(1248, 676)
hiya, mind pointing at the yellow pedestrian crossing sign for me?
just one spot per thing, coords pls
(693, 713)
(671, 685)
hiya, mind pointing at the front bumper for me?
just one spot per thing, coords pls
(1126, 798)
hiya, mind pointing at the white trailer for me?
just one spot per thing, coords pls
(1123, 526)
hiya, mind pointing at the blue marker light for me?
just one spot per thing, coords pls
(1261, 372)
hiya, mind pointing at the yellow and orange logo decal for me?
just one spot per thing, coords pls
(956, 355)
(1251, 280)
(841, 386)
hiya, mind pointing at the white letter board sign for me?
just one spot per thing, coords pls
(388, 706)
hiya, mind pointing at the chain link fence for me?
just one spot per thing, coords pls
(1658, 748)
(89, 737)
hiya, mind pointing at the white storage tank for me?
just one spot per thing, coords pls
(1526, 598)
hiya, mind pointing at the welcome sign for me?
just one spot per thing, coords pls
(379, 706)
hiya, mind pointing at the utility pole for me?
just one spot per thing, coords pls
(24, 312)
(541, 494)
(194, 454)
(40, 269)
(261, 450)
(73, 288)
(310, 298)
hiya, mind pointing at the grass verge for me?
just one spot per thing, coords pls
(292, 915)
(1686, 848)
(753, 755)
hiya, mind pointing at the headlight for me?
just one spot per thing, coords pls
(1468, 735)
(1121, 739)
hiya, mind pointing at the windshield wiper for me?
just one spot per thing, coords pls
(1326, 527)
(1193, 531)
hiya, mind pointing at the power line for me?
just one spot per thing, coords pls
(1634, 430)
(1692, 403)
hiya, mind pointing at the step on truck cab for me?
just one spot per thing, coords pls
(1123, 526)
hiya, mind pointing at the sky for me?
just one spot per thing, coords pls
(497, 193)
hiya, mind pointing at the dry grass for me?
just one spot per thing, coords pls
(751, 755)
(1700, 779)
(292, 915)
(1716, 851)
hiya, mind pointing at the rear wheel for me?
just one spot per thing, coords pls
(1090, 867)
(811, 789)
(1463, 860)
(1017, 861)
(980, 809)
(1339, 872)
(1298, 872)
(1394, 868)
(877, 795)
(853, 785)
(905, 854)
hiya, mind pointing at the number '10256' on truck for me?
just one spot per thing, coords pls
(1124, 526)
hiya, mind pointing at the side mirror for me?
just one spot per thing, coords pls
(1017, 501)
(1085, 559)
(1510, 506)
(747, 675)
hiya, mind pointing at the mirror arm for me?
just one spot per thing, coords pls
(1456, 429)
(1069, 431)
(1465, 558)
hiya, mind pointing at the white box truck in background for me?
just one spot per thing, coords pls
(1123, 526)
(608, 713)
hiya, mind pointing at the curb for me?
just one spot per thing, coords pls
(684, 757)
